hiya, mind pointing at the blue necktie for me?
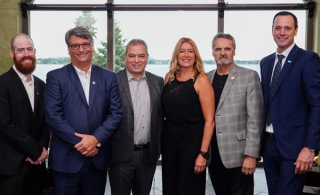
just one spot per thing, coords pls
(275, 77)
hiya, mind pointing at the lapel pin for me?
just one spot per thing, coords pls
(232, 78)
(93, 82)
(37, 93)
(289, 61)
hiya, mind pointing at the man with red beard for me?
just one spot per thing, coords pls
(24, 135)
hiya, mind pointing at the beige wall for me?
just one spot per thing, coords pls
(10, 24)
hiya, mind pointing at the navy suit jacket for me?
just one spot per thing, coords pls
(67, 112)
(295, 106)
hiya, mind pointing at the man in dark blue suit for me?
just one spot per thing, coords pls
(291, 88)
(83, 109)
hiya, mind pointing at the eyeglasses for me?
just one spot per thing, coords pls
(77, 46)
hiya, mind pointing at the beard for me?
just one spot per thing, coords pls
(223, 62)
(25, 67)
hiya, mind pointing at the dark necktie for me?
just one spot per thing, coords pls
(275, 77)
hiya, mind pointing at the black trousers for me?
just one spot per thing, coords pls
(31, 183)
(135, 176)
(228, 181)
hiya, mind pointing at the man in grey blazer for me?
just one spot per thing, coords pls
(136, 143)
(239, 103)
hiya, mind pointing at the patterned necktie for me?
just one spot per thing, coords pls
(275, 77)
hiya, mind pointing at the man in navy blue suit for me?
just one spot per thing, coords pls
(83, 109)
(291, 88)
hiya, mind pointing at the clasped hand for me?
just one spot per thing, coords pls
(41, 159)
(87, 146)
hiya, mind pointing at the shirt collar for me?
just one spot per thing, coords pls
(81, 71)
(287, 51)
(22, 76)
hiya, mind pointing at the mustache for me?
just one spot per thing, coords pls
(26, 58)
(223, 56)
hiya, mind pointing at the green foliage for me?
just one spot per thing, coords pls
(87, 20)
(100, 55)
(61, 60)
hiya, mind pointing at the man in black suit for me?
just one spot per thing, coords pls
(24, 135)
(136, 143)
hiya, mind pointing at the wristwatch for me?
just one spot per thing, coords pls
(98, 146)
(311, 149)
(205, 154)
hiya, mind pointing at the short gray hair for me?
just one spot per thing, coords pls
(78, 32)
(137, 42)
(224, 36)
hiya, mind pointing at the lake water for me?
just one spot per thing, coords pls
(160, 70)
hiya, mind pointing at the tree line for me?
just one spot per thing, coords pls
(100, 56)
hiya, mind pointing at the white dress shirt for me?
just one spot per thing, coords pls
(29, 86)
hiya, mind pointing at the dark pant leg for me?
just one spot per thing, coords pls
(66, 183)
(11, 185)
(169, 161)
(89, 180)
(240, 184)
(94, 180)
(190, 183)
(144, 173)
(35, 180)
(31, 183)
(121, 177)
(280, 172)
(219, 178)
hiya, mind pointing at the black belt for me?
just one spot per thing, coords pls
(270, 135)
(140, 147)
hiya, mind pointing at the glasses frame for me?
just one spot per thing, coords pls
(83, 45)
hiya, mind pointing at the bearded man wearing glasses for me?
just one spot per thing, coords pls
(83, 109)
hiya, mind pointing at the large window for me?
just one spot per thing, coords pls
(48, 30)
(161, 30)
(252, 31)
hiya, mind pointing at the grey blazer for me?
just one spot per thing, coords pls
(238, 117)
(122, 140)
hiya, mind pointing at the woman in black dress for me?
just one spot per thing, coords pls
(188, 103)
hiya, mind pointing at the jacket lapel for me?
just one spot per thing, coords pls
(227, 86)
(76, 82)
(125, 85)
(95, 76)
(37, 98)
(269, 69)
(287, 65)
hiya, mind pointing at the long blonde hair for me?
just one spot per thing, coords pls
(174, 66)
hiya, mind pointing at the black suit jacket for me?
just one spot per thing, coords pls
(23, 133)
(122, 140)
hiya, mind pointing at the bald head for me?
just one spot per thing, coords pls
(16, 39)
